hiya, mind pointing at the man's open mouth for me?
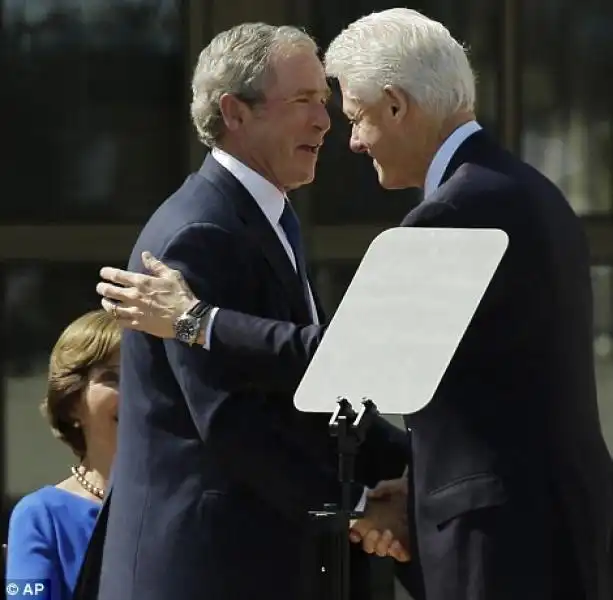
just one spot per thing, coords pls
(309, 148)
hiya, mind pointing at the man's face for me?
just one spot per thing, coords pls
(284, 133)
(392, 133)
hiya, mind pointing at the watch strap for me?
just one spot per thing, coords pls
(200, 309)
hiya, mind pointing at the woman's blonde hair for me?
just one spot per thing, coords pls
(89, 341)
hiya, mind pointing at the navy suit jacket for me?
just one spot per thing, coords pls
(215, 469)
(511, 484)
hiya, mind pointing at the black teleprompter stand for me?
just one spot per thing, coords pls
(333, 521)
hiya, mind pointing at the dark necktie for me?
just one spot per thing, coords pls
(291, 225)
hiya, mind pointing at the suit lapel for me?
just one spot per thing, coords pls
(259, 229)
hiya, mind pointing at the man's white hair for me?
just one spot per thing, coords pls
(238, 61)
(404, 48)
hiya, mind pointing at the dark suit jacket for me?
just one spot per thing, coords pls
(215, 469)
(511, 482)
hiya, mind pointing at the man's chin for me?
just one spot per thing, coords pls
(306, 179)
(389, 181)
(385, 181)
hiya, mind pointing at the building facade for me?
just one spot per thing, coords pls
(98, 135)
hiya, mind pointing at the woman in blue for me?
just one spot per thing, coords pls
(50, 528)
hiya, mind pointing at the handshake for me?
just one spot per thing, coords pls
(383, 530)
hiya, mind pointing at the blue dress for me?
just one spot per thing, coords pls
(49, 531)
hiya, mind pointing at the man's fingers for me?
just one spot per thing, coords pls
(375, 542)
(122, 313)
(121, 277)
(128, 296)
(384, 542)
(370, 540)
(362, 531)
(398, 552)
(153, 265)
(381, 544)
(355, 536)
(358, 529)
(361, 527)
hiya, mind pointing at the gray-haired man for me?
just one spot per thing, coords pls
(215, 469)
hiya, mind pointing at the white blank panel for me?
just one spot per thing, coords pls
(402, 318)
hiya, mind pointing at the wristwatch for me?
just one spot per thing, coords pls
(187, 327)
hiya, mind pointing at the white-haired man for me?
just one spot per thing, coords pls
(510, 485)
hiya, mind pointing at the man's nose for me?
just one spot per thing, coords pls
(355, 145)
(322, 118)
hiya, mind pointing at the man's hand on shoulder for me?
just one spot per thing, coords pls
(149, 303)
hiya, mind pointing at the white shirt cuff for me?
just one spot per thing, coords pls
(362, 503)
(208, 327)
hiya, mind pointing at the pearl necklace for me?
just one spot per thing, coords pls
(79, 474)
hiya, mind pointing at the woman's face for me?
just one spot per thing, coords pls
(97, 413)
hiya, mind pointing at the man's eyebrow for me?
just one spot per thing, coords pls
(327, 92)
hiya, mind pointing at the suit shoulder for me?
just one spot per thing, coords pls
(197, 201)
(502, 186)
(503, 175)
(470, 191)
(478, 181)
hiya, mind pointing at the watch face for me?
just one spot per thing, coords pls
(186, 328)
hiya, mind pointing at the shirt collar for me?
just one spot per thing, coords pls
(445, 153)
(269, 198)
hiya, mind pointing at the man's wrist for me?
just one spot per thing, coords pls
(189, 324)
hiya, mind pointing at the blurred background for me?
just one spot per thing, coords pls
(94, 98)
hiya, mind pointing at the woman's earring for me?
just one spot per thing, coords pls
(77, 425)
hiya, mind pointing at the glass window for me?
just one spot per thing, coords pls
(95, 90)
(39, 300)
(567, 132)
(346, 189)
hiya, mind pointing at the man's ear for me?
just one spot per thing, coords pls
(233, 111)
(397, 101)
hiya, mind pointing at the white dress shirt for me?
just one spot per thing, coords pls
(271, 201)
(445, 153)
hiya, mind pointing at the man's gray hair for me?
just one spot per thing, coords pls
(404, 48)
(238, 61)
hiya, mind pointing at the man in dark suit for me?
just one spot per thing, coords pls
(510, 488)
(216, 470)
